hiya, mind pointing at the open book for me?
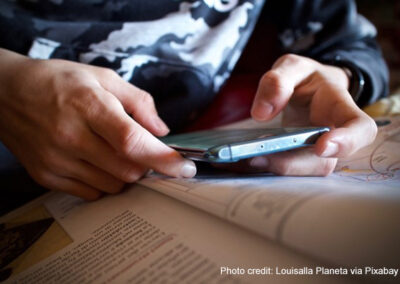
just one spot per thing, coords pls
(344, 228)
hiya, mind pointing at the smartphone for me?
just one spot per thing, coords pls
(232, 145)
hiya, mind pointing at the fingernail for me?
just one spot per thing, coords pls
(259, 162)
(331, 149)
(188, 170)
(262, 110)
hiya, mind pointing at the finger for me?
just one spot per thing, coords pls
(135, 143)
(92, 176)
(77, 140)
(76, 188)
(352, 128)
(348, 139)
(277, 85)
(299, 162)
(135, 101)
(100, 154)
(68, 185)
(61, 164)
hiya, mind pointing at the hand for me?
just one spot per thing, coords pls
(68, 125)
(310, 93)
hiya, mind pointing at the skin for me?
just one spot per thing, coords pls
(83, 130)
(310, 93)
(68, 124)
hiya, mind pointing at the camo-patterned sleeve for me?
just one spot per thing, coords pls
(182, 51)
(327, 30)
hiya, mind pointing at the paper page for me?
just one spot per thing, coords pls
(350, 218)
(141, 236)
(379, 163)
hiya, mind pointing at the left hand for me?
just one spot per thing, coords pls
(310, 93)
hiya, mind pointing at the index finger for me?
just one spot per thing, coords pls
(135, 101)
(276, 87)
(108, 119)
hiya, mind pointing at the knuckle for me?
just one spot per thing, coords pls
(109, 73)
(88, 93)
(83, 93)
(145, 98)
(42, 177)
(90, 103)
(297, 61)
(324, 82)
(273, 79)
(111, 102)
(132, 141)
(85, 100)
(291, 58)
(67, 138)
(67, 76)
(328, 167)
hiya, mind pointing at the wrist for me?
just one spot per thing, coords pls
(337, 76)
(13, 66)
(356, 80)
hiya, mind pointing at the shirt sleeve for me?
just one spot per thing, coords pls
(326, 30)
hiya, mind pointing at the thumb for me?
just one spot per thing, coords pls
(347, 139)
(154, 154)
(133, 142)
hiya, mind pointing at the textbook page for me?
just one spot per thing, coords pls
(350, 218)
(141, 236)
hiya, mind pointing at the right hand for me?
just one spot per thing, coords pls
(68, 124)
